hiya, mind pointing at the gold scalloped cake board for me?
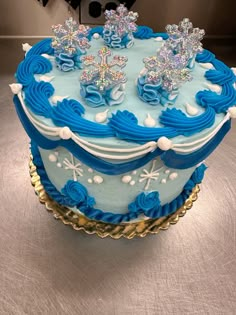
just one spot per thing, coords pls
(116, 231)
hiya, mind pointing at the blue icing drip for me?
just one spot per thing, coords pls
(36, 98)
(92, 96)
(145, 32)
(75, 194)
(82, 155)
(68, 113)
(42, 47)
(66, 62)
(32, 65)
(183, 161)
(185, 125)
(126, 128)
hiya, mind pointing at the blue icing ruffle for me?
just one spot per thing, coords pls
(153, 94)
(113, 40)
(94, 98)
(75, 194)
(66, 62)
(187, 125)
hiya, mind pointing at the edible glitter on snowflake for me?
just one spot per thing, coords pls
(167, 69)
(70, 37)
(122, 21)
(183, 38)
(101, 73)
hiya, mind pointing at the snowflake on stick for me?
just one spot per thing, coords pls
(167, 69)
(70, 37)
(149, 176)
(121, 21)
(76, 168)
(183, 38)
(102, 73)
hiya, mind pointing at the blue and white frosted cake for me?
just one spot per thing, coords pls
(116, 146)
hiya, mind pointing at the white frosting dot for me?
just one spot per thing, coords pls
(90, 170)
(163, 181)
(191, 110)
(158, 39)
(102, 116)
(90, 181)
(26, 47)
(52, 158)
(173, 176)
(15, 87)
(149, 121)
(96, 36)
(59, 164)
(167, 171)
(56, 153)
(126, 179)
(164, 143)
(232, 112)
(134, 172)
(97, 179)
(65, 133)
(132, 183)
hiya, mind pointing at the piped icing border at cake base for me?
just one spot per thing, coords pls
(77, 196)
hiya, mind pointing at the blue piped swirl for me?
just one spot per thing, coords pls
(145, 32)
(125, 126)
(36, 98)
(75, 195)
(31, 65)
(42, 47)
(68, 113)
(187, 126)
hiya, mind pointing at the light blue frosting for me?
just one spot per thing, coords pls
(74, 194)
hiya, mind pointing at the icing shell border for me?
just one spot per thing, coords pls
(127, 230)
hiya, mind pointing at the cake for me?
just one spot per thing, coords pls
(128, 143)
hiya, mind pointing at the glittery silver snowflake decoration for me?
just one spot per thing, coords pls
(101, 73)
(167, 69)
(70, 37)
(183, 38)
(122, 21)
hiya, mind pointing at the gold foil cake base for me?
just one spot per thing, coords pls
(116, 231)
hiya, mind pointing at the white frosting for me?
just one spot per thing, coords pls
(163, 181)
(52, 158)
(59, 164)
(46, 78)
(96, 36)
(158, 39)
(74, 167)
(206, 65)
(214, 87)
(132, 183)
(126, 179)
(26, 47)
(47, 56)
(167, 171)
(97, 179)
(16, 87)
(90, 170)
(232, 112)
(234, 70)
(57, 98)
(102, 116)
(173, 176)
(164, 143)
(90, 181)
(191, 110)
(134, 172)
(148, 176)
(65, 133)
(149, 121)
